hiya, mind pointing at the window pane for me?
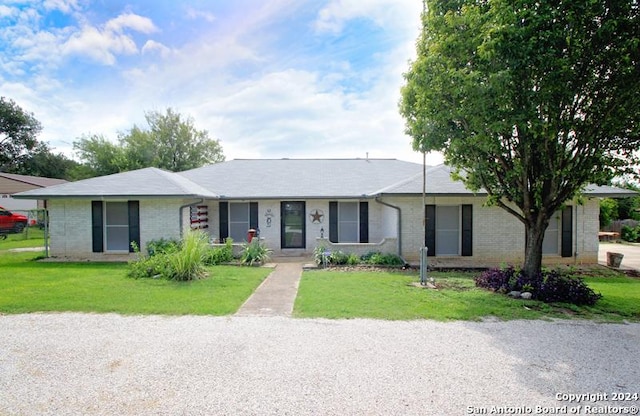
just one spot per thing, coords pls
(447, 230)
(117, 238)
(238, 231)
(551, 245)
(348, 211)
(239, 212)
(348, 226)
(238, 221)
(117, 213)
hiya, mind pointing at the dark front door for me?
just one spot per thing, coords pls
(292, 224)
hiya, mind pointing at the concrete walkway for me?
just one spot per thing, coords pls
(276, 295)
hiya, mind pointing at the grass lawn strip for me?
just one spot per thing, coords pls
(389, 295)
(30, 286)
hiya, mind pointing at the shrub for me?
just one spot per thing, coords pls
(219, 255)
(630, 234)
(178, 261)
(547, 286)
(319, 254)
(353, 259)
(255, 252)
(188, 263)
(338, 258)
(162, 246)
(385, 259)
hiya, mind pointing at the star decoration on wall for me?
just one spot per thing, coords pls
(316, 216)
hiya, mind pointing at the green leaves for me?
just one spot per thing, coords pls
(532, 100)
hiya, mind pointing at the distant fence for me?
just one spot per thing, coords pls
(37, 221)
(616, 226)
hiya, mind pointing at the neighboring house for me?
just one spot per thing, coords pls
(11, 184)
(353, 205)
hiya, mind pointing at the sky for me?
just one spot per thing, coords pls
(268, 79)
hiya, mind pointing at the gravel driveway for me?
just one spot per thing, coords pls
(90, 364)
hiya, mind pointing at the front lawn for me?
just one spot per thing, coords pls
(389, 295)
(30, 286)
(30, 237)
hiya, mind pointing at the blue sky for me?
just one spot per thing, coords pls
(269, 79)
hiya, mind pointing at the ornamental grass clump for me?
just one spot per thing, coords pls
(188, 263)
(184, 260)
(548, 286)
(255, 252)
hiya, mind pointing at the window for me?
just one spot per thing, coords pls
(116, 226)
(238, 220)
(348, 223)
(551, 243)
(447, 231)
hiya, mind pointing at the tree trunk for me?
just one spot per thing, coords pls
(533, 249)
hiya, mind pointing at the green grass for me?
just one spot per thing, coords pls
(30, 237)
(389, 295)
(30, 286)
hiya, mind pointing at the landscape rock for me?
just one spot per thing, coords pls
(514, 294)
(526, 295)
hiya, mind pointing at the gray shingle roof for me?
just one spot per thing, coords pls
(32, 180)
(277, 179)
(301, 178)
(148, 182)
(439, 182)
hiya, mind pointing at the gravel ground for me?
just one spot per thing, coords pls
(86, 364)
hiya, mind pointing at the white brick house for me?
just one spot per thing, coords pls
(353, 205)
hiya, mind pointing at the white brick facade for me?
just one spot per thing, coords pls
(498, 237)
(70, 225)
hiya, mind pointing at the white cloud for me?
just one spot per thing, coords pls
(98, 45)
(337, 13)
(130, 21)
(194, 14)
(151, 46)
(103, 45)
(65, 6)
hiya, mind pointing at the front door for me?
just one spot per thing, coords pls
(292, 231)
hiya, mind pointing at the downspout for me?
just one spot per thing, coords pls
(377, 199)
(185, 206)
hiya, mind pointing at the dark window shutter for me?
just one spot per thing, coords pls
(467, 230)
(430, 230)
(97, 228)
(134, 224)
(224, 221)
(364, 222)
(567, 232)
(253, 215)
(333, 222)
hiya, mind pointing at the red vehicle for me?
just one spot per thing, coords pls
(11, 223)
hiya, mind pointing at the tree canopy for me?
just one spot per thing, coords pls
(528, 100)
(171, 142)
(18, 134)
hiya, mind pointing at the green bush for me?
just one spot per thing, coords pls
(630, 234)
(219, 255)
(162, 246)
(353, 259)
(182, 261)
(188, 263)
(254, 252)
(384, 259)
(338, 258)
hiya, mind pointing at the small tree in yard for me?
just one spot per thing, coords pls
(530, 100)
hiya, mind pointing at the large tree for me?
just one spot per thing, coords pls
(171, 142)
(18, 131)
(45, 163)
(530, 100)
